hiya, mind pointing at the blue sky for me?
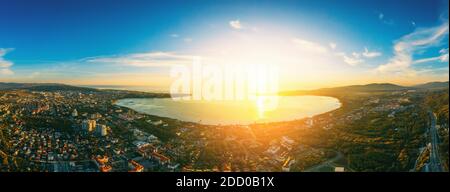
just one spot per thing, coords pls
(119, 42)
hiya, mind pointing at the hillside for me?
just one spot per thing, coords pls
(43, 87)
(374, 87)
(370, 87)
(433, 85)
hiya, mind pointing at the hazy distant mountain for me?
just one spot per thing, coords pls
(62, 87)
(433, 85)
(42, 87)
(374, 87)
(369, 87)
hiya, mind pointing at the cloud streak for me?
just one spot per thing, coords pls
(409, 45)
(441, 58)
(235, 24)
(352, 60)
(369, 54)
(309, 46)
(5, 66)
(150, 59)
(333, 45)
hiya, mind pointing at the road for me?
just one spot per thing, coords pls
(435, 162)
(329, 162)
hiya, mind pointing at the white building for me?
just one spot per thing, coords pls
(88, 125)
(273, 149)
(102, 130)
(309, 122)
(96, 116)
(156, 123)
(287, 142)
(74, 113)
(339, 169)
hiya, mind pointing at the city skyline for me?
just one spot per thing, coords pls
(316, 45)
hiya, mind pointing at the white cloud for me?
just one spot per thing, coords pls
(351, 60)
(356, 55)
(309, 46)
(35, 74)
(443, 57)
(174, 35)
(151, 59)
(6, 71)
(187, 40)
(408, 45)
(3, 52)
(4, 63)
(368, 54)
(426, 60)
(380, 16)
(5, 66)
(236, 24)
(333, 45)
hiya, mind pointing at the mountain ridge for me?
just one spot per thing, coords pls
(372, 87)
(43, 87)
(350, 88)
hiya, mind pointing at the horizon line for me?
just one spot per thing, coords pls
(148, 86)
